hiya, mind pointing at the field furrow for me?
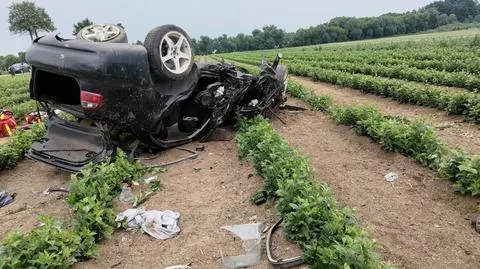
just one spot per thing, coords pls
(450, 128)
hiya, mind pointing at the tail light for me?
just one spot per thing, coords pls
(90, 100)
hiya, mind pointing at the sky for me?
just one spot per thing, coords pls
(211, 17)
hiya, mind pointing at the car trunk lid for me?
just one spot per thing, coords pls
(70, 146)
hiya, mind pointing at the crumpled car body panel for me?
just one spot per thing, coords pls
(158, 113)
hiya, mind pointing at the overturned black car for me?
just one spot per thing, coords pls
(153, 95)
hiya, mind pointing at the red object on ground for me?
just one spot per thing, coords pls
(35, 117)
(7, 123)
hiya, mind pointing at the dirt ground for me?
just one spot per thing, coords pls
(450, 128)
(28, 180)
(209, 192)
(418, 219)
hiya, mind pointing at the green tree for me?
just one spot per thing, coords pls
(26, 17)
(21, 56)
(9, 60)
(80, 25)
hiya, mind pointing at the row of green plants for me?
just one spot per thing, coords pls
(19, 110)
(469, 63)
(414, 139)
(470, 66)
(8, 82)
(400, 71)
(59, 244)
(462, 103)
(18, 144)
(13, 99)
(14, 91)
(14, 96)
(327, 233)
(420, 53)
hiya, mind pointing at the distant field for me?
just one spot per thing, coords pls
(14, 95)
(417, 37)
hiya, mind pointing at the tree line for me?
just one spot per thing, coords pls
(342, 29)
(27, 18)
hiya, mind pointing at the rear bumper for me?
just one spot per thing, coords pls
(70, 146)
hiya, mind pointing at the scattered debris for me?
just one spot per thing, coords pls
(283, 262)
(159, 224)
(126, 196)
(260, 200)
(292, 108)
(391, 177)
(250, 235)
(276, 116)
(150, 179)
(476, 222)
(201, 148)
(7, 123)
(36, 116)
(178, 267)
(6, 198)
(144, 198)
(50, 189)
(193, 155)
(196, 169)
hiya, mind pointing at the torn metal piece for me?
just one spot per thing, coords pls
(49, 190)
(276, 116)
(250, 235)
(193, 155)
(283, 262)
(292, 108)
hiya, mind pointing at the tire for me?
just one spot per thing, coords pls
(114, 33)
(170, 52)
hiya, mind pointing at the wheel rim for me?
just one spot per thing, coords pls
(101, 32)
(175, 52)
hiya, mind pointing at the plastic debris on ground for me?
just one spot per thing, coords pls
(250, 235)
(151, 179)
(178, 267)
(6, 198)
(158, 224)
(391, 177)
(126, 196)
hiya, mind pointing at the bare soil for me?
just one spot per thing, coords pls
(209, 192)
(418, 219)
(450, 128)
(28, 180)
